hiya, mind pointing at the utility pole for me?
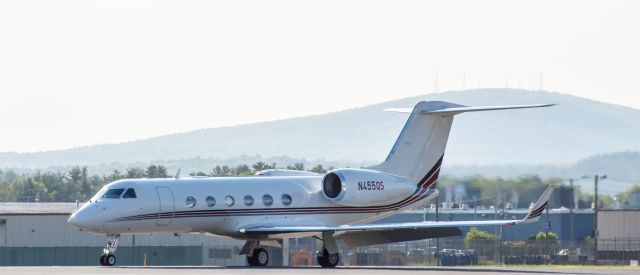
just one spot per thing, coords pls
(437, 239)
(595, 220)
(546, 233)
(571, 206)
(495, 217)
(541, 82)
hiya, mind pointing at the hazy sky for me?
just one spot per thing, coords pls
(75, 73)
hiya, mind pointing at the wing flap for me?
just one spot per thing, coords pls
(267, 229)
(363, 238)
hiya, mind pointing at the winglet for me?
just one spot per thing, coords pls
(536, 211)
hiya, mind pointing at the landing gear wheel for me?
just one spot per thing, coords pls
(259, 257)
(327, 260)
(102, 259)
(109, 260)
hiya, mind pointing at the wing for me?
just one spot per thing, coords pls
(534, 215)
(269, 230)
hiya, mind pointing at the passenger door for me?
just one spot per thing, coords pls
(167, 206)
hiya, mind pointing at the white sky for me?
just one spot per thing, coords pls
(75, 73)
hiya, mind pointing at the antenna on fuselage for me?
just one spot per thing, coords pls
(177, 174)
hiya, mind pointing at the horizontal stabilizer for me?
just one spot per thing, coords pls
(446, 108)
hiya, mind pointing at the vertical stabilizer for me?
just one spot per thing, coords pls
(418, 151)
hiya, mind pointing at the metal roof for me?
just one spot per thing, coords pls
(37, 208)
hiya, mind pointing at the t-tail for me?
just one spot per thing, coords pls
(418, 152)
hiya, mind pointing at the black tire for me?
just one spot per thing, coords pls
(327, 260)
(110, 260)
(262, 256)
(102, 263)
(322, 260)
(251, 260)
(259, 257)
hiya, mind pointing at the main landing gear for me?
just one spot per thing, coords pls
(328, 256)
(259, 257)
(327, 260)
(256, 255)
(107, 258)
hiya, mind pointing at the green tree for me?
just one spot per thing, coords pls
(318, 169)
(114, 176)
(474, 236)
(10, 176)
(259, 166)
(296, 166)
(156, 171)
(198, 174)
(552, 237)
(243, 170)
(624, 196)
(135, 173)
(227, 171)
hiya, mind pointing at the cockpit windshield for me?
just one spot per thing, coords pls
(113, 193)
(130, 194)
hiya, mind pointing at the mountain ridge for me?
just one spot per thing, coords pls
(575, 129)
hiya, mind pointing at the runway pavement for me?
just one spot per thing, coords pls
(93, 270)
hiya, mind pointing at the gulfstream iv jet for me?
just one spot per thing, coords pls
(276, 204)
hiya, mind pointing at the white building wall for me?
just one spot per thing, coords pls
(52, 230)
(619, 229)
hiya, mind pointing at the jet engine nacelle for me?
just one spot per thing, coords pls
(362, 187)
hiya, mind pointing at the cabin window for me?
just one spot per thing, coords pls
(210, 201)
(248, 200)
(286, 199)
(229, 201)
(113, 193)
(267, 200)
(130, 194)
(190, 201)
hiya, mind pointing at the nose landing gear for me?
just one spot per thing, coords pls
(107, 258)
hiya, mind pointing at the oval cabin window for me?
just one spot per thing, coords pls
(190, 201)
(286, 199)
(248, 200)
(210, 201)
(267, 200)
(229, 201)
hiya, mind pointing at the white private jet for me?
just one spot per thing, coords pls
(277, 204)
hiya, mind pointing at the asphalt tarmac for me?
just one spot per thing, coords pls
(94, 270)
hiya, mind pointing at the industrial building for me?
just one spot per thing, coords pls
(619, 230)
(38, 234)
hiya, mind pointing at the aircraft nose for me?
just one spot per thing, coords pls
(80, 219)
(75, 220)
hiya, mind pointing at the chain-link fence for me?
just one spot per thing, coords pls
(455, 251)
(302, 252)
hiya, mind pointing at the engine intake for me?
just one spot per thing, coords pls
(331, 185)
(362, 187)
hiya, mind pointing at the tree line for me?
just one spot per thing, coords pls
(477, 191)
(78, 184)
